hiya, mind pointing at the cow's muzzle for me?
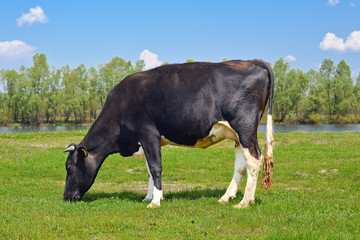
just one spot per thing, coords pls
(72, 197)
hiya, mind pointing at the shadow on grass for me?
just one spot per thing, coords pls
(138, 197)
(186, 194)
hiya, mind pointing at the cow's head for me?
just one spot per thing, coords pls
(81, 170)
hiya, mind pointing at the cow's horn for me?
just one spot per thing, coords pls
(70, 149)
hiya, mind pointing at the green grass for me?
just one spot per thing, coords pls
(315, 194)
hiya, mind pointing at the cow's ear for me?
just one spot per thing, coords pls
(82, 152)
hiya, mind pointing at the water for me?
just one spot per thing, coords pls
(262, 128)
(28, 129)
(314, 128)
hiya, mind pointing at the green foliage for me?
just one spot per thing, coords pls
(308, 97)
(40, 94)
(315, 192)
(43, 94)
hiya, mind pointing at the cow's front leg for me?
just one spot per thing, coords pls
(152, 151)
(239, 172)
(252, 170)
(149, 195)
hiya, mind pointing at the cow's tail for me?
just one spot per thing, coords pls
(269, 144)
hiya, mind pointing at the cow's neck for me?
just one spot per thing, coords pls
(100, 139)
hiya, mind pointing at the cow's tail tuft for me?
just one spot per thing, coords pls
(268, 164)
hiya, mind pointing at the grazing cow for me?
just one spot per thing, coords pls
(192, 104)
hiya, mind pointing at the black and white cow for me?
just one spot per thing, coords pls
(193, 105)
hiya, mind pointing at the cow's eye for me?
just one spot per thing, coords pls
(68, 167)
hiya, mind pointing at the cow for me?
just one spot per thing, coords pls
(192, 104)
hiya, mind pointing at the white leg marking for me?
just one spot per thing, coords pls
(157, 194)
(252, 170)
(150, 191)
(239, 172)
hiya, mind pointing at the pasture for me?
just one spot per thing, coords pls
(315, 194)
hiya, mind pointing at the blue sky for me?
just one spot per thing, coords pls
(92, 32)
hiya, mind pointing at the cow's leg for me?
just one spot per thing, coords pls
(253, 164)
(152, 151)
(149, 195)
(246, 128)
(239, 172)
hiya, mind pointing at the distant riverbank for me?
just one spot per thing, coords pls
(262, 128)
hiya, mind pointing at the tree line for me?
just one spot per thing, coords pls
(328, 95)
(43, 94)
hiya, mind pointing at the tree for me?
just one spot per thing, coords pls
(314, 101)
(92, 76)
(83, 91)
(53, 101)
(110, 74)
(71, 93)
(297, 84)
(282, 106)
(10, 79)
(22, 96)
(114, 72)
(357, 96)
(343, 93)
(38, 75)
(3, 117)
(327, 73)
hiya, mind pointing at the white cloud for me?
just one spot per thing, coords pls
(35, 15)
(333, 2)
(290, 58)
(353, 41)
(332, 42)
(15, 49)
(352, 4)
(150, 59)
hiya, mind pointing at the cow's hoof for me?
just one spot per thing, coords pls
(243, 204)
(224, 199)
(146, 199)
(153, 205)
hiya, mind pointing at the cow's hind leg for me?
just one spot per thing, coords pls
(246, 128)
(253, 164)
(239, 172)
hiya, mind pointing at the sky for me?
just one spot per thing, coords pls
(304, 32)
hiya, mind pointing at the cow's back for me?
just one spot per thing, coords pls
(185, 100)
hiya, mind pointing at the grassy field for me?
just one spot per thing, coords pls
(315, 193)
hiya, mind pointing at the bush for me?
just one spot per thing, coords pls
(348, 119)
(314, 118)
(4, 120)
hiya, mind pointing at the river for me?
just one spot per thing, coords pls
(262, 128)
